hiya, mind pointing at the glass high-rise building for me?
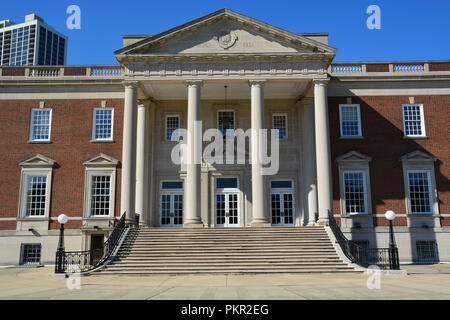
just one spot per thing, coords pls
(31, 43)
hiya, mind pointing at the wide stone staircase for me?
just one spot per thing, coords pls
(226, 251)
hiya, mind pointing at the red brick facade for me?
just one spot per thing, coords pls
(384, 142)
(71, 133)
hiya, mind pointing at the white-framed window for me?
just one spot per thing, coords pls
(413, 120)
(100, 195)
(354, 181)
(35, 187)
(35, 197)
(420, 196)
(103, 123)
(172, 124)
(355, 195)
(100, 184)
(350, 120)
(420, 183)
(40, 124)
(279, 122)
(225, 118)
(30, 253)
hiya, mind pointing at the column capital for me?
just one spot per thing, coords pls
(256, 82)
(194, 82)
(131, 84)
(321, 82)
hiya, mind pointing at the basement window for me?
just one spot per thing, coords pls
(30, 254)
(427, 251)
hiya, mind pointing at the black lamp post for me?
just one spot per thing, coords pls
(59, 263)
(394, 263)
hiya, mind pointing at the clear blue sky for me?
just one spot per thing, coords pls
(410, 30)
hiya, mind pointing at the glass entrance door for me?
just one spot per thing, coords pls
(172, 204)
(227, 209)
(282, 203)
(227, 202)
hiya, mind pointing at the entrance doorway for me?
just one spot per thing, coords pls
(282, 203)
(227, 202)
(171, 204)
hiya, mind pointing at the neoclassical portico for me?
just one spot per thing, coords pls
(191, 64)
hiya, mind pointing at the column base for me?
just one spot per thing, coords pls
(311, 224)
(192, 225)
(260, 224)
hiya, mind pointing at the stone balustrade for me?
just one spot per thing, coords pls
(97, 71)
(394, 67)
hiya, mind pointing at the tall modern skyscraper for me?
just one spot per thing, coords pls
(31, 43)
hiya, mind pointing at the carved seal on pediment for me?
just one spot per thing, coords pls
(226, 39)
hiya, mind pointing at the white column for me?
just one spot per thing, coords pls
(192, 208)
(259, 212)
(141, 162)
(323, 156)
(129, 153)
(309, 160)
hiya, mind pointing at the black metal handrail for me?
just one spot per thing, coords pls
(83, 261)
(385, 258)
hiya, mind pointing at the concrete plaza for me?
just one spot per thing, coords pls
(422, 282)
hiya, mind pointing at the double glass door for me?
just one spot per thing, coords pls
(227, 209)
(282, 209)
(282, 203)
(227, 202)
(172, 209)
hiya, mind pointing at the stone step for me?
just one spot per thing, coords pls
(228, 267)
(202, 264)
(222, 272)
(226, 251)
(228, 257)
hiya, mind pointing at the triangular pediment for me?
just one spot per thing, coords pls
(418, 156)
(37, 160)
(101, 160)
(353, 156)
(225, 32)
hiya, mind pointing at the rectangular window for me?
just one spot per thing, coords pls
(225, 121)
(40, 124)
(350, 119)
(103, 124)
(100, 195)
(168, 185)
(35, 196)
(413, 120)
(227, 183)
(172, 124)
(355, 192)
(420, 191)
(30, 254)
(279, 122)
(427, 251)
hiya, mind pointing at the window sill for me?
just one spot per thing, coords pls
(33, 219)
(38, 142)
(422, 215)
(103, 141)
(358, 215)
(352, 137)
(99, 218)
(415, 137)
